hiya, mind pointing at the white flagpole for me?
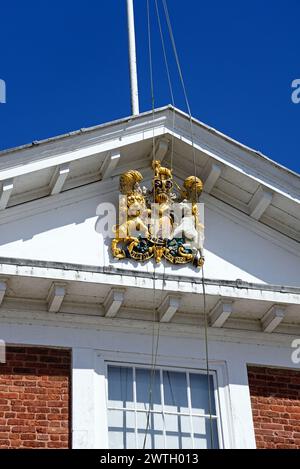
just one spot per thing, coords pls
(132, 60)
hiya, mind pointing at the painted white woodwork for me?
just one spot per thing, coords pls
(260, 202)
(161, 149)
(3, 288)
(212, 172)
(110, 163)
(220, 313)
(168, 307)
(273, 318)
(5, 193)
(59, 178)
(56, 297)
(113, 302)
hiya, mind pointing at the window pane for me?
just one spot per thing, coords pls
(173, 430)
(121, 427)
(199, 394)
(178, 423)
(120, 386)
(152, 429)
(182, 441)
(175, 391)
(178, 431)
(187, 442)
(205, 433)
(147, 389)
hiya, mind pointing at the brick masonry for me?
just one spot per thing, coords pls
(35, 395)
(275, 398)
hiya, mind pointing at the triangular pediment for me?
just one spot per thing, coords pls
(51, 191)
(50, 197)
(232, 173)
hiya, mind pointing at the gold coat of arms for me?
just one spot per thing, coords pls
(162, 222)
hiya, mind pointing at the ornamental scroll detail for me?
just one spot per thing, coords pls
(162, 222)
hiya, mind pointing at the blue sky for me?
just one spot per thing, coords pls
(65, 64)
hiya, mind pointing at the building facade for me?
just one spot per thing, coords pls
(87, 335)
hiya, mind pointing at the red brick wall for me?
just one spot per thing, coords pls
(275, 397)
(35, 398)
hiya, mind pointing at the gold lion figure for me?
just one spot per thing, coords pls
(133, 212)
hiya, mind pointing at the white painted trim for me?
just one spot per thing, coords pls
(273, 318)
(110, 163)
(220, 313)
(117, 134)
(5, 193)
(161, 149)
(219, 368)
(113, 302)
(83, 398)
(59, 178)
(223, 402)
(169, 307)
(82, 137)
(259, 203)
(44, 204)
(63, 335)
(56, 297)
(134, 134)
(141, 327)
(236, 156)
(212, 173)
(100, 392)
(169, 284)
(3, 288)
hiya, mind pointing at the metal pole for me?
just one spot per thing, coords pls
(132, 60)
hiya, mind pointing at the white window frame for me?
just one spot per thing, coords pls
(221, 389)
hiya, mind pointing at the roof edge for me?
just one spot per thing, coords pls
(168, 107)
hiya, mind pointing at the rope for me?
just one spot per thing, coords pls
(171, 34)
(154, 350)
(155, 343)
(150, 57)
(207, 360)
(164, 53)
(168, 75)
(172, 38)
(176, 53)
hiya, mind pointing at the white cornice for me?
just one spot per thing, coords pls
(13, 317)
(120, 133)
(71, 196)
(120, 278)
(17, 164)
(239, 158)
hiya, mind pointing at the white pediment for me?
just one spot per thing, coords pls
(240, 177)
(54, 259)
(52, 190)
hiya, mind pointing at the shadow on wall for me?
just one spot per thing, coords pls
(30, 226)
(249, 251)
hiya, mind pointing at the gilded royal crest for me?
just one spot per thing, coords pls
(161, 222)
